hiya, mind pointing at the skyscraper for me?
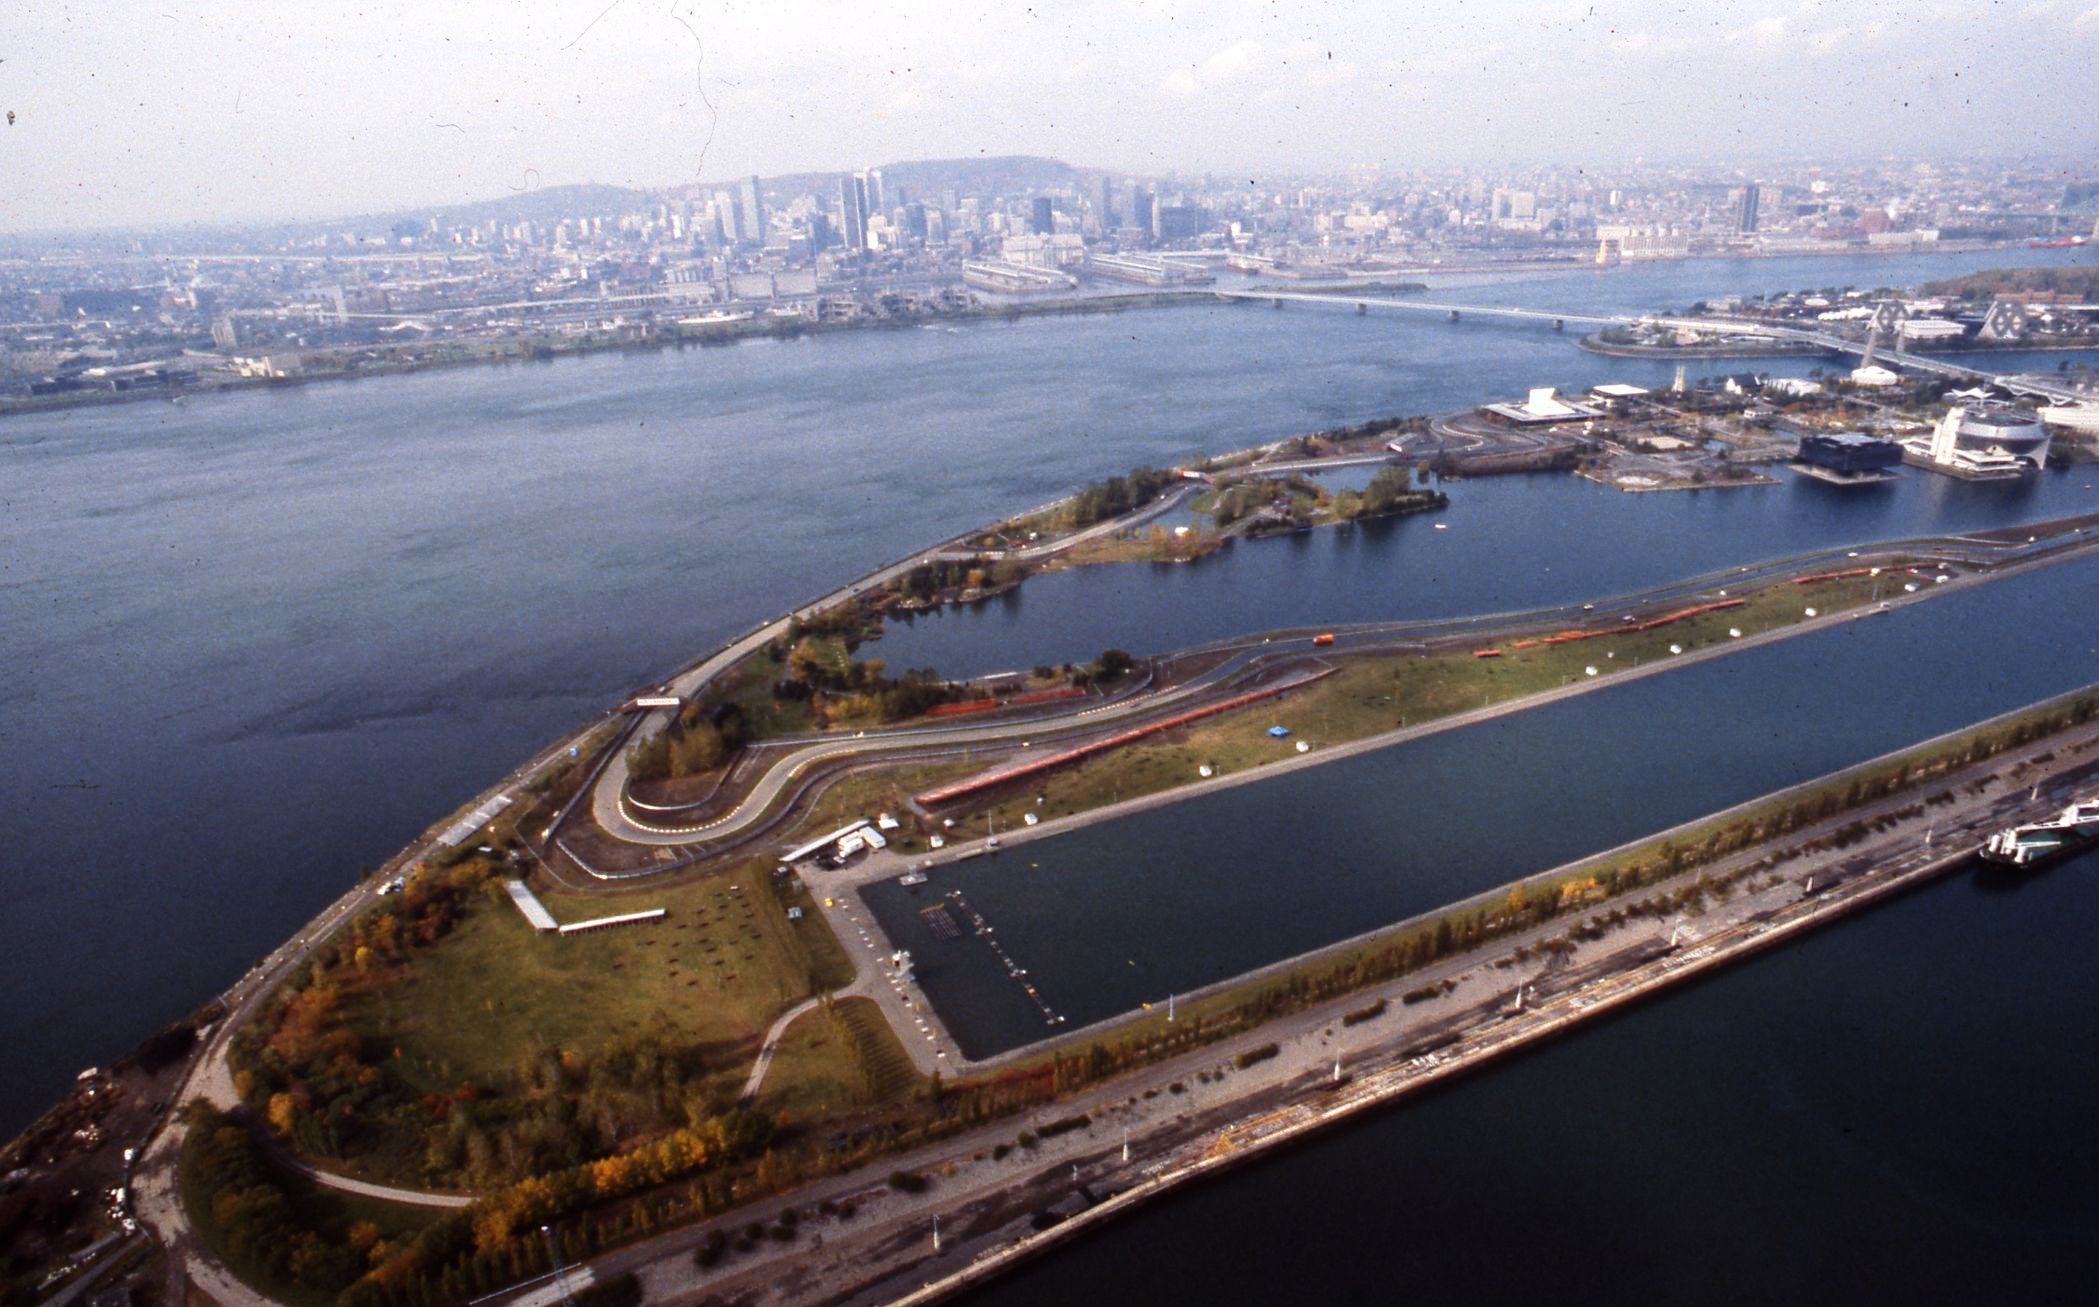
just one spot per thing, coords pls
(753, 215)
(1745, 216)
(1146, 217)
(1045, 216)
(852, 212)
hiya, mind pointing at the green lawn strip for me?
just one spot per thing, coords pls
(1592, 895)
(885, 1065)
(837, 1059)
(1378, 693)
(814, 1073)
(872, 791)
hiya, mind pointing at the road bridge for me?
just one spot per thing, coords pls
(1452, 311)
(2034, 387)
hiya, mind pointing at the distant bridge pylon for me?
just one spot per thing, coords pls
(1455, 312)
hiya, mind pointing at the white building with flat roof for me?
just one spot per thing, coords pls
(1542, 406)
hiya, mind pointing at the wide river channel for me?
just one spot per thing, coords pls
(256, 642)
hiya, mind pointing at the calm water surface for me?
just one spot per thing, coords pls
(258, 641)
(1125, 912)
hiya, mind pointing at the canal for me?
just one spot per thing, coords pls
(1125, 912)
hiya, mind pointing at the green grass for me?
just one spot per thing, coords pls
(832, 1063)
(877, 790)
(814, 1074)
(749, 685)
(827, 652)
(886, 1068)
(1156, 544)
(1370, 695)
(714, 973)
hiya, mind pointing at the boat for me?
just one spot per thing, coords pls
(715, 318)
(912, 878)
(2072, 830)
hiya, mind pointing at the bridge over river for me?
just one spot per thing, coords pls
(2035, 387)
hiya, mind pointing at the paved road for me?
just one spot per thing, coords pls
(1177, 1126)
(756, 1079)
(1311, 1043)
(794, 771)
(607, 806)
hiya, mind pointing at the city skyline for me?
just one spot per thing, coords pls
(118, 123)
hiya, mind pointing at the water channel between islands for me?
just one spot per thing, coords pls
(1113, 915)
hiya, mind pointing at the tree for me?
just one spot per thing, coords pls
(650, 759)
(697, 749)
(283, 1113)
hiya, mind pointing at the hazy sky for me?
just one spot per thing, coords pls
(156, 110)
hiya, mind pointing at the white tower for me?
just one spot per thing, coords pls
(1945, 435)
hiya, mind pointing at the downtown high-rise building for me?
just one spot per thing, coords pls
(852, 210)
(1745, 212)
(752, 213)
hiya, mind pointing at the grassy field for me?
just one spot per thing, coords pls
(749, 685)
(833, 1062)
(878, 790)
(1581, 890)
(1154, 545)
(714, 973)
(1374, 694)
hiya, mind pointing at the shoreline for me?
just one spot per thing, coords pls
(540, 349)
(1611, 349)
(505, 351)
(872, 872)
(1238, 1110)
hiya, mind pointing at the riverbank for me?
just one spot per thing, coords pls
(397, 360)
(1595, 344)
(340, 742)
(1384, 1079)
(1203, 1113)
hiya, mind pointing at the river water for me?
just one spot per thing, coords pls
(1889, 1111)
(257, 641)
(1126, 912)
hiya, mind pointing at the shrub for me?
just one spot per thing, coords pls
(711, 1249)
(1063, 1126)
(1362, 1014)
(1253, 1055)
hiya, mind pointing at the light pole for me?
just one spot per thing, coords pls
(554, 1260)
